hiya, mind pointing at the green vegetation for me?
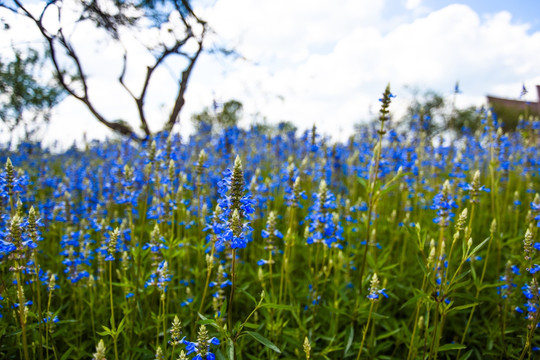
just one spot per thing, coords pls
(238, 244)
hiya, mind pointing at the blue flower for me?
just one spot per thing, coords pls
(160, 277)
(202, 346)
(265, 234)
(375, 295)
(48, 319)
(232, 227)
(324, 226)
(443, 202)
(527, 291)
(186, 302)
(534, 269)
(374, 290)
(535, 209)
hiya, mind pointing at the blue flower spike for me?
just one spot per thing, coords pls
(202, 347)
(375, 289)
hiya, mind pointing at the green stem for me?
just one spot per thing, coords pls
(434, 348)
(531, 327)
(163, 299)
(247, 319)
(288, 252)
(415, 326)
(233, 284)
(138, 260)
(365, 331)
(371, 202)
(40, 314)
(21, 311)
(478, 289)
(47, 325)
(158, 323)
(113, 324)
(92, 316)
(207, 282)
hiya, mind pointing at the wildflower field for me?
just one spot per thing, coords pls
(245, 245)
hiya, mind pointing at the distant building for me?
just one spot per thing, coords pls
(509, 111)
(531, 107)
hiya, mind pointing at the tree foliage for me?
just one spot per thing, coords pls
(221, 116)
(218, 116)
(25, 101)
(434, 113)
(177, 36)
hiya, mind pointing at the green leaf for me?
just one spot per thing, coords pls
(487, 286)
(387, 188)
(230, 349)
(66, 354)
(263, 341)
(388, 334)
(377, 316)
(462, 307)
(251, 297)
(219, 355)
(362, 182)
(251, 325)
(210, 322)
(120, 326)
(223, 309)
(420, 261)
(478, 247)
(330, 349)
(350, 339)
(106, 332)
(414, 299)
(473, 274)
(448, 347)
(468, 354)
(278, 306)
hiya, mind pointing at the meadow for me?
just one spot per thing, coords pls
(250, 245)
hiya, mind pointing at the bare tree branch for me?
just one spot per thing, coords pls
(180, 100)
(73, 78)
(138, 102)
(118, 127)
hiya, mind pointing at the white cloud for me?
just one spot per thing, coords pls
(324, 63)
(412, 4)
(340, 86)
(288, 30)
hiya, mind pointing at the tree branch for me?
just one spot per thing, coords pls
(150, 71)
(69, 67)
(138, 102)
(180, 100)
(118, 127)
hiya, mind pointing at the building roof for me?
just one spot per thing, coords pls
(531, 107)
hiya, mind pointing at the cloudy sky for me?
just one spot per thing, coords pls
(327, 61)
